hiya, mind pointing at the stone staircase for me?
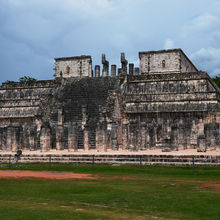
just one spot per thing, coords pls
(114, 159)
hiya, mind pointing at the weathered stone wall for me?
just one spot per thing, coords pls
(173, 111)
(186, 65)
(174, 131)
(20, 114)
(79, 66)
(165, 61)
(73, 115)
(168, 110)
(171, 93)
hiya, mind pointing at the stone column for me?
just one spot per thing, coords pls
(114, 136)
(119, 71)
(86, 139)
(124, 63)
(136, 71)
(104, 140)
(60, 117)
(131, 69)
(193, 135)
(72, 137)
(9, 138)
(105, 66)
(90, 69)
(201, 143)
(113, 70)
(131, 141)
(33, 138)
(59, 138)
(1, 142)
(59, 130)
(147, 139)
(97, 134)
(4, 139)
(201, 140)
(97, 71)
(143, 137)
(45, 139)
(32, 142)
(124, 134)
(25, 138)
(14, 142)
(84, 116)
(101, 138)
(109, 129)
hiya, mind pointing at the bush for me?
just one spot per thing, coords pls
(217, 80)
(27, 79)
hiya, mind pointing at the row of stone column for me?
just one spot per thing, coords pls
(16, 137)
(134, 137)
(122, 70)
(105, 139)
(112, 136)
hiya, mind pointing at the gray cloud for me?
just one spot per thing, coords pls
(33, 32)
(202, 36)
(208, 59)
(168, 44)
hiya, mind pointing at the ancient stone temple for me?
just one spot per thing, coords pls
(164, 103)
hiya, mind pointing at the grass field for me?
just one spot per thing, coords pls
(118, 192)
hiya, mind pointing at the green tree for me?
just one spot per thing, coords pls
(27, 79)
(217, 80)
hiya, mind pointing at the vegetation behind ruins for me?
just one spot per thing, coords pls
(217, 80)
(118, 192)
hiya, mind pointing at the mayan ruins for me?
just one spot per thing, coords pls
(164, 103)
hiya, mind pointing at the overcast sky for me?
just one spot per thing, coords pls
(33, 32)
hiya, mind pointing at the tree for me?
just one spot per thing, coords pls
(27, 79)
(217, 80)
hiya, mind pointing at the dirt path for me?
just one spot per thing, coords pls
(203, 185)
(43, 174)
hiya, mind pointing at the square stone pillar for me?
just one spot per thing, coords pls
(14, 141)
(143, 138)
(113, 70)
(131, 141)
(45, 139)
(33, 138)
(114, 136)
(125, 134)
(97, 71)
(32, 142)
(59, 138)
(1, 142)
(72, 136)
(9, 139)
(25, 138)
(131, 69)
(201, 143)
(101, 138)
(136, 71)
(105, 69)
(86, 139)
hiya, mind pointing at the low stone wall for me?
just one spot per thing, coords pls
(176, 160)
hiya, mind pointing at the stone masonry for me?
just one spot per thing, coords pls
(165, 103)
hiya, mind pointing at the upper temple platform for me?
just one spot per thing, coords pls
(150, 62)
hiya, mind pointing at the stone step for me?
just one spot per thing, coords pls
(199, 160)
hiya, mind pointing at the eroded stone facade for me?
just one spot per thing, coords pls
(166, 103)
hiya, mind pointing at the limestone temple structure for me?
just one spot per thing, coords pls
(164, 103)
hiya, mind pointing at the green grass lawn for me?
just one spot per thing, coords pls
(118, 192)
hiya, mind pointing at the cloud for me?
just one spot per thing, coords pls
(168, 44)
(32, 32)
(202, 35)
(208, 60)
(204, 23)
